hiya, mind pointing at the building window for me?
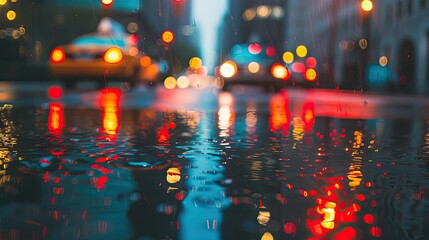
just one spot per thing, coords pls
(423, 4)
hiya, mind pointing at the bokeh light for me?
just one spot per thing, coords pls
(106, 2)
(11, 15)
(228, 69)
(3, 2)
(249, 14)
(113, 55)
(167, 36)
(288, 57)
(366, 5)
(298, 67)
(263, 11)
(363, 43)
(133, 51)
(253, 67)
(195, 62)
(279, 71)
(289, 228)
(311, 62)
(187, 30)
(310, 74)
(132, 27)
(57, 55)
(383, 61)
(277, 12)
(55, 92)
(301, 51)
(170, 82)
(375, 231)
(183, 82)
(270, 51)
(267, 236)
(145, 61)
(255, 48)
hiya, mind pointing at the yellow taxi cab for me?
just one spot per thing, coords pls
(109, 54)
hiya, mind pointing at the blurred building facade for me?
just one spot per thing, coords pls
(384, 49)
(400, 33)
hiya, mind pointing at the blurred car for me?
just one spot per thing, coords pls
(109, 54)
(253, 64)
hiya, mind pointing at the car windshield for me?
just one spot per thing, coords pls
(99, 40)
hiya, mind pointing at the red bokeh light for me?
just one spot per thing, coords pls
(311, 62)
(133, 38)
(298, 67)
(289, 228)
(348, 233)
(368, 218)
(55, 92)
(255, 48)
(375, 231)
(270, 51)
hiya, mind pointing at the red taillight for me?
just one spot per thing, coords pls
(58, 55)
(113, 55)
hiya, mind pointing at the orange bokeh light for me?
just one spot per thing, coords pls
(167, 36)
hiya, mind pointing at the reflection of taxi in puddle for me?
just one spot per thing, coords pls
(107, 54)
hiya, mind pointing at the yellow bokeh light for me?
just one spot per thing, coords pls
(311, 74)
(195, 62)
(366, 5)
(383, 60)
(253, 67)
(267, 236)
(11, 15)
(3, 2)
(301, 51)
(170, 82)
(167, 36)
(288, 57)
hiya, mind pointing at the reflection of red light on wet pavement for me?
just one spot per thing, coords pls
(55, 118)
(289, 228)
